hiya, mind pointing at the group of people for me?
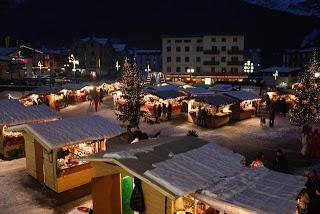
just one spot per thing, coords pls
(279, 162)
(278, 106)
(95, 98)
(310, 142)
(201, 115)
(308, 200)
(162, 111)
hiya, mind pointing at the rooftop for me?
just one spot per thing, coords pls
(242, 95)
(282, 69)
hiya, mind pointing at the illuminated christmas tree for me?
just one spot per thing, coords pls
(132, 88)
(307, 110)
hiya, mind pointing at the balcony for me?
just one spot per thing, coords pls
(211, 62)
(211, 52)
(239, 63)
(236, 52)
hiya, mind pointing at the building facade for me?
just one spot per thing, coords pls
(98, 54)
(213, 56)
(300, 57)
(148, 59)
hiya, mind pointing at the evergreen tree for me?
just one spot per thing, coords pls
(132, 88)
(306, 110)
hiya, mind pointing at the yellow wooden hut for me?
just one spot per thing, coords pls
(186, 175)
(52, 149)
(13, 113)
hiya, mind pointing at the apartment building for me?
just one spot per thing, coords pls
(219, 57)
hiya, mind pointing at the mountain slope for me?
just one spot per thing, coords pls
(298, 7)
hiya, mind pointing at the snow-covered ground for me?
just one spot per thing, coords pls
(19, 193)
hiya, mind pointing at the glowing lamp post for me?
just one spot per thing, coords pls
(190, 71)
(73, 60)
(275, 75)
(40, 67)
(117, 66)
(248, 67)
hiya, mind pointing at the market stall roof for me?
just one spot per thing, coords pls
(12, 112)
(282, 69)
(242, 95)
(216, 100)
(45, 90)
(168, 94)
(59, 133)
(222, 87)
(163, 88)
(196, 91)
(181, 166)
(73, 86)
(177, 83)
(286, 90)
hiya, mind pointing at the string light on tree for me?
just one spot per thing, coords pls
(307, 110)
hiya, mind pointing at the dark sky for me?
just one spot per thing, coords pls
(142, 22)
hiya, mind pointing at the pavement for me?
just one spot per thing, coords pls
(20, 193)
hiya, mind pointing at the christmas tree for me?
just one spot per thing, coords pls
(132, 88)
(306, 110)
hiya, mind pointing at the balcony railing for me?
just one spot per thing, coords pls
(235, 63)
(211, 52)
(235, 52)
(211, 62)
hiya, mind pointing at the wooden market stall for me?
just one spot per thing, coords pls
(289, 96)
(14, 114)
(53, 147)
(246, 104)
(76, 92)
(186, 175)
(167, 97)
(210, 111)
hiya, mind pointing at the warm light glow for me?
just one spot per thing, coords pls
(207, 81)
(275, 75)
(73, 60)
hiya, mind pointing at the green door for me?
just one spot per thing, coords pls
(127, 188)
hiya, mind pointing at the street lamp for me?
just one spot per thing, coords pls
(275, 75)
(190, 71)
(73, 60)
(117, 66)
(248, 67)
(40, 67)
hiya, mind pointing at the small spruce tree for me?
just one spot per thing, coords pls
(131, 88)
(306, 110)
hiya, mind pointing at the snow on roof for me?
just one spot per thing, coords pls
(59, 133)
(177, 83)
(12, 112)
(7, 51)
(168, 94)
(186, 165)
(45, 90)
(241, 95)
(280, 70)
(303, 50)
(101, 41)
(195, 91)
(165, 87)
(260, 189)
(216, 100)
(119, 47)
(222, 87)
(73, 86)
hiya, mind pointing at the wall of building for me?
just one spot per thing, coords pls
(205, 54)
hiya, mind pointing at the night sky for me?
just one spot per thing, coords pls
(142, 22)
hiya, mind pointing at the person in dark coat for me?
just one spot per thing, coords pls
(155, 111)
(159, 111)
(169, 111)
(101, 95)
(315, 202)
(283, 107)
(272, 115)
(280, 163)
(137, 200)
(312, 182)
(164, 110)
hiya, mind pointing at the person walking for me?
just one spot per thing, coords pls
(280, 163)
(96, 102)
(314, 141)
(164, 111)
(169, 111)
(272, 115)
(305, 139)
(258, 162)
(159, 111)
(101, 95)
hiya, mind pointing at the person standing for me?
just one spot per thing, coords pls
(315, 202)
(258, 162)
(280, 163)
(314, 141)
(169, 111)
(155, 111)
(164, 111)
(101, 95)
(303, 201)
(96, 102)
(159, 111)
(305, 139)
(272, 115)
